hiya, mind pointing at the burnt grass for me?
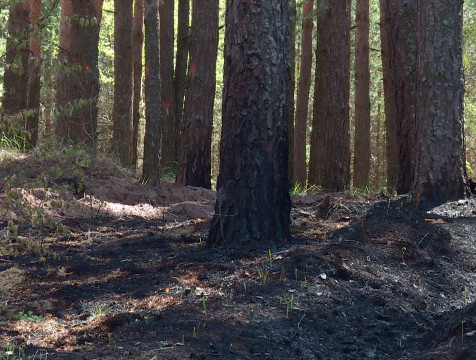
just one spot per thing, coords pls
(365, 278)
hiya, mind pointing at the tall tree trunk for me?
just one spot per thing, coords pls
(399, 52)
(137, 44)
(440, 173)
(169, 126)
(123, 88)
(151, 166)
(329, 165)
(34, 82)
(302, 104)
(292, 85)
(253, 202)
(83, 82)
(15, 81)
(181, 58)
(195, 169)
(362, 97)
(378, 142)
(64, 59)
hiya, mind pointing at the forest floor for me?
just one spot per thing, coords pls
(94, 265)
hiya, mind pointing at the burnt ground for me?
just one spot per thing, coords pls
(366, 277)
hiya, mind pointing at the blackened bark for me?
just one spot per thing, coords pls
(362, 97)
(292, 85)
(34, 82)
(302, 104)
(440, 173)
(123, 88)
(151, 166)
(181, 59)
(195, 168)
(253, 202)
(399, 19)
(15, 81)
(329, 164)
(168, 123)
(137, 44)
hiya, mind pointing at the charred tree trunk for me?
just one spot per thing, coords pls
(362, 97)
(399, 56)
(83, 83)
(329, 165)
(253, 202)
(200, 95)
(440, 173)
(137, 44)
(34, 83)
(64, 59)
(292, 85)
(123, 88)
(302, 104)
(181, 59)
(151, 166)
(169, 150)
(15, 81)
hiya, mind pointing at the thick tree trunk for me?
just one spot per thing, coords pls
(123, 88)
(440, 173)
(399, 51)
(169, 126)
(15, 81)
(329, 164)
(292, 85)
(83, 83)
(137, 44)
(362, 97)
(195, 169)
(34, 82)
(64, 59)
(302, 104)
(253, 202)
(181, 59)
(151, 166)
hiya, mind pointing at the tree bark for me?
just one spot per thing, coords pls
(292, 85)
(302, 104)
(195, 169)
(440, 173)
(169, 151)
(15, 81)
(362, 97)
(123, 88)
(329, 165)
(399, 55)
(34, 82)
(137, 44)
(151, 166)
(253, 202)
(181, 59)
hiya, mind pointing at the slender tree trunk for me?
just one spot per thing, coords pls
(181, 59)
(34, 82)
(399, 52)
(200, 95)
(15, 81)
(64, 58)
(302, 104)
(137, 44)
(378, 142)
(440, 173)
(169, 126)
(253, 202)
(123, 88)
(151, 166)
(330, 143)
(292, 85)
(362, 97)
(83, 83)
